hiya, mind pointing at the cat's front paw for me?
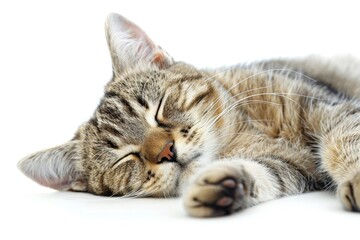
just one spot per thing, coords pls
(349, 193)
(218, 191)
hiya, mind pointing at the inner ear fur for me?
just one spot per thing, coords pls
(131, 47)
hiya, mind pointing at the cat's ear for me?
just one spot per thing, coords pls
(130, 46)
(57, 167)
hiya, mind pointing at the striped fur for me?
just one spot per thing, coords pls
(239, 136)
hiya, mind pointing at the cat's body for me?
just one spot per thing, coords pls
(225, 139)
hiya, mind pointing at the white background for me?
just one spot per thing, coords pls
(53, 66)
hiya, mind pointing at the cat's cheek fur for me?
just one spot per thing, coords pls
(208, 155)
(257, 126)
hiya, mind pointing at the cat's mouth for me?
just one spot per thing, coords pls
(181, 159)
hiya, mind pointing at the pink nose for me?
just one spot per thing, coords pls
(167, 153)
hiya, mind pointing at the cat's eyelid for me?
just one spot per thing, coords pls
(158, 109)
(164, 125)
(121, 159)
(159, 112)
(128, 150)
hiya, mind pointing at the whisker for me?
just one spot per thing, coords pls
(235, 97)
(254, 75)
(238, 102)
(206, 111)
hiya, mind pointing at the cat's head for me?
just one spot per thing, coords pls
(158, 121)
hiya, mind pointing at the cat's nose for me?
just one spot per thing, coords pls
(167, 153)
(159, 146)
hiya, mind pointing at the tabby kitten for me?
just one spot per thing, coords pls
(225, 139)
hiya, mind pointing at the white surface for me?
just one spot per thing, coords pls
(54, 64)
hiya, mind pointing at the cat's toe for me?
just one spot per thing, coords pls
(224, 201)
(349, 193)
(218, 191)
(213, 199)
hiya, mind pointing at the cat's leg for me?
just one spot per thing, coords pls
(340, 154)
(229, 185)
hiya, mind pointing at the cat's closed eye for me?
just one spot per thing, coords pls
(129, 156)
(227, 138)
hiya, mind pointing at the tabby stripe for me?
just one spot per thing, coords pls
(353, 112)
(105, 190)
(187, 78)
(287, 162)
(274, 171)
(111, 144)
(199, 98)
(283, 104)
(111, 94)
(129, 109)
(111, 113)
(326, 86)
(128, 169)
(110, 129)
(94, 122)
(124, 174)
(279, 165)
(142, 102)
(183, 94)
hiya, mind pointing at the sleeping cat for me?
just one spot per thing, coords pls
(225, 139)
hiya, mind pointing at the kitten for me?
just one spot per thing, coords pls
(224, 139)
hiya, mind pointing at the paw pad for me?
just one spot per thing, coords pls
(218, 191)
(224, 201)
(229, 183)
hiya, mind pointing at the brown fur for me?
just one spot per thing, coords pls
(269, 128)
